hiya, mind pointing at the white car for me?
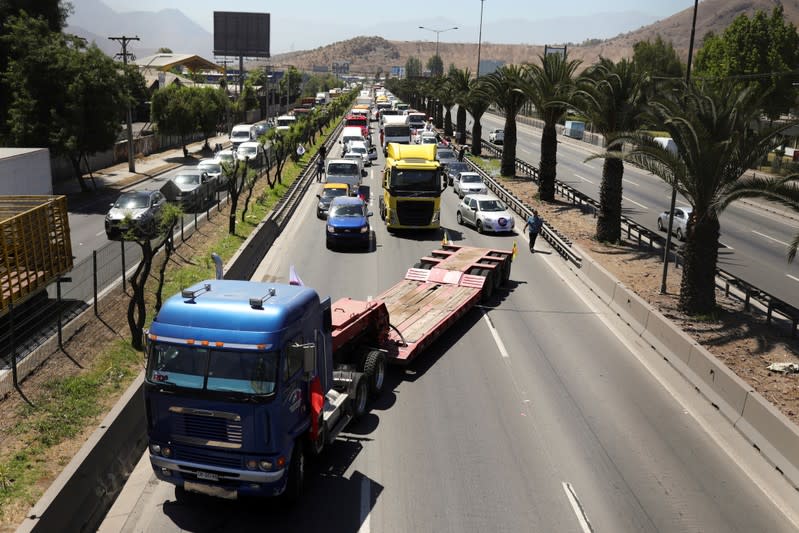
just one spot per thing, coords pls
(497, 136)
(360, 148)
(680, 226)
(225, 157)
(252, 151)
(213, 168)
(469, 183)
(485, 213)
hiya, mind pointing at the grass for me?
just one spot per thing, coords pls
(490, 165)
(62, 411)
(67, 406)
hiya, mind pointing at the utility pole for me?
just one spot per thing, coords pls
(479, 40)
(124, 42)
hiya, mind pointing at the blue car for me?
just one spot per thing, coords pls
(348, 222)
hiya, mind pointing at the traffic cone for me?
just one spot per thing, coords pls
(445, 240)
(515, 250)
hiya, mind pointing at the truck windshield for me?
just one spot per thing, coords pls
(196, 367)
(415, 180)
(342, 169)
(397, 131)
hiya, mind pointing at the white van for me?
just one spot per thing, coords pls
(349, 171)
(284, 122)
(351, 133)
(251, 151)
(242, 133)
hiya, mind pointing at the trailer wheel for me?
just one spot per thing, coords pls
(361, 396)
(374, 367)
(506, 266)
(296, 473)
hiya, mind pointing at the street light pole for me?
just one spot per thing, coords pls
(438, 33)
(123, 40)
(674, 189)
(479, 39)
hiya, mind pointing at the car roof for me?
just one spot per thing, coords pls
(137, 193)
(346, 200)
(208, 162)
(480, 197)
(469, 173)
(335, 186)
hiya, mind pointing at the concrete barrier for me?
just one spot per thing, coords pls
(776, 436)
(773, 434)
(81, 495)
(731, 391)
(628, 304)
(243, 264)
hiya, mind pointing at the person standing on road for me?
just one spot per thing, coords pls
(534, 222)
(320, 167)
(323, 152)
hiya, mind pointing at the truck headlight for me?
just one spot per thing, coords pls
(330, 229)
(265, 465)
(155, 449)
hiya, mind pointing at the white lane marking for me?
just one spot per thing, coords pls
(642, 206)
(588, 163)
(365, 505)
(582, 519)
(631, 182)
(726, 246)
(770, 238)
(98, 234)
(792, 277)
(585, 179)
(495, 334)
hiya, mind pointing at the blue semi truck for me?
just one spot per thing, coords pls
(245, 379)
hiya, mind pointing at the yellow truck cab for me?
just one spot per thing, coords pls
(412, 187)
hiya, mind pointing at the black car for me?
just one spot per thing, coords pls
(454, 168)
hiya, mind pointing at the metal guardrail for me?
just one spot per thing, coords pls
(749, 293)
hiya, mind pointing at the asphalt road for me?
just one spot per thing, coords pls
(755, 239)
(534, 413)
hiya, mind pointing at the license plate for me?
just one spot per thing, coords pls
(207, 476)
(209, 490)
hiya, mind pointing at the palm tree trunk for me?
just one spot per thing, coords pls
(698, 284)
(548, 164)
(508, 167)
(460, 121)
(608, 224)
(477, 136)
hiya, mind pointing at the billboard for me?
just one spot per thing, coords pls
(241, 34)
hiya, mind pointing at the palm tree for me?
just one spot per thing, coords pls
(476, 103)
(712, 128)
(446, 96)
(459, 79)
(611, 96)
(505, 86)
(548, 86)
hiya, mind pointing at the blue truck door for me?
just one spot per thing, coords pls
(294, 395)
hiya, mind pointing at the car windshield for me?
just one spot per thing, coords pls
(247, 149)
(241, 134)
(445, 154)
(456, 167)
(491, 205)
(188, 179)
(210, 167)
(225, 157)
(348, 210)
(133, 201)
(332, 193)
(358, 149)
(470, 178)
(196, 367)
(342, 169)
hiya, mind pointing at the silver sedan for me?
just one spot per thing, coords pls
(485, 213)
(680, 227)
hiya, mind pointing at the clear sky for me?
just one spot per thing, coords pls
(300, 24)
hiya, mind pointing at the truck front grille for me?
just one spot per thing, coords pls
(203, 457)
(414, 213)
(214, 428)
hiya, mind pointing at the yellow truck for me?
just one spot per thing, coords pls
(35, 246)
(412, 187)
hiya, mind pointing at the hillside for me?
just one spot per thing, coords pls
(368, 54)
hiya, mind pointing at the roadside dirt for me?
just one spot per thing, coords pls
(742, 340)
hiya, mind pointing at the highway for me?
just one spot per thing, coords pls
(755, 240)
(537, 412)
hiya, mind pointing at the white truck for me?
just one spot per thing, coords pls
(395, 130)
(25, 172)
(322, 98)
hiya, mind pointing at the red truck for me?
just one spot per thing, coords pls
(245, 379)
(361, 121)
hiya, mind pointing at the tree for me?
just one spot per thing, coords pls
(459, 79)
(548, 86)
(611, 97)
(174, 112)
(54, 15)
(476, 103)
(659, 59)
(290, 84)
(712, 127)
(238, 173)
(211, 108)
(61, 94)
(506, 89)
(150, 240)
(435, 65)
(413, 67)
(762, 51)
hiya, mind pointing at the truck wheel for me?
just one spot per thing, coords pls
(374, 367)
(506, 266)
(296, 473)
(360, 399)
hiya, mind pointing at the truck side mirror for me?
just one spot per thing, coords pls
(305, 353)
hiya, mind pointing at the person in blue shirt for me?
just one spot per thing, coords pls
(534, 222)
